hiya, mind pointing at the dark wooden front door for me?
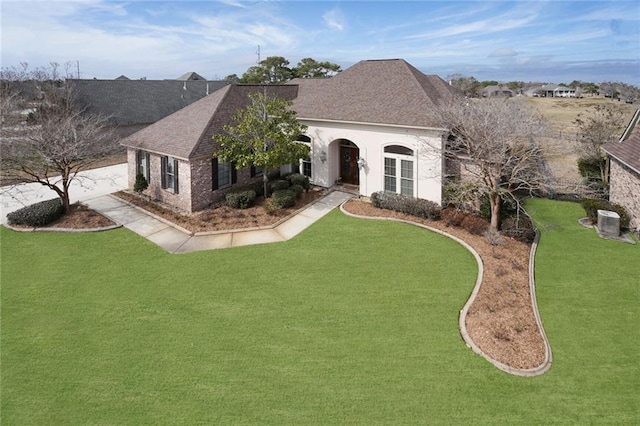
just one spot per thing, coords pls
(349, 165)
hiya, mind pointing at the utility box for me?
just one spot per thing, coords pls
(609, 223)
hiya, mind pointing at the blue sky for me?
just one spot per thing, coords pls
(551, 41)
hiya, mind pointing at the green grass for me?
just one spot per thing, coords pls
(352, 321)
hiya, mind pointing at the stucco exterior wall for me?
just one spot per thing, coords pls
(371, 140)
(625, 190)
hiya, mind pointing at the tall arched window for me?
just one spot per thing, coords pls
(399, 170)
(305, 164)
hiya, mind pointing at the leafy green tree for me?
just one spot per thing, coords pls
(263, 135)
(233, 78)
(310, 68)
(273, 70)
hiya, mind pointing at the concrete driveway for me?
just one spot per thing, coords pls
(89, 184)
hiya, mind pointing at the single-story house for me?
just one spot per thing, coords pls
(624, 171)
(369, 127)
(551, 91)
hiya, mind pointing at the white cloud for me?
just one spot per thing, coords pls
(502, 53)
(334, 19)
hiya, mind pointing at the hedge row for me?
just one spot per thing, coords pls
(38, 214)
(403, 204)
(592, 205)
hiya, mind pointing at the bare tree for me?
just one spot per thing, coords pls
(494, 143)
(57, 142)
(600, 125)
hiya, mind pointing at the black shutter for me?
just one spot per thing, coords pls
(137, 162)
(234, 173)
(148, 160)
(214, 173)
(163, 172)
(253, 170)
(175, 176)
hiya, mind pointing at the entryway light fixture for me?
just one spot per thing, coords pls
(361, 162)
(323, 157)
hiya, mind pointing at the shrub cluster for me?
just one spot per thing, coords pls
(519, 228)
(471, 222)
(592, 205)
(589, 168)
(38, 214)
(278, 185)
(298, 179)
(241, 199)
(284, 198)
(401, 203)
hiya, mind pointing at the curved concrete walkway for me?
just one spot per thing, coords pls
(177, 240)
(530, 372)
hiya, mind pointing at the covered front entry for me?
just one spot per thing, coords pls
(349, 154)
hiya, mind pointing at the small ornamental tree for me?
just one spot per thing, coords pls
(494, 141)
(141, 183)
(262, 135)
(598, 126)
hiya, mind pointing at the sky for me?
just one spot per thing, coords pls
(543, 41)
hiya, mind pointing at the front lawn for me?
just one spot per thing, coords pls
(353, 321)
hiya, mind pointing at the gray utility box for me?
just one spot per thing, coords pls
(609, 223)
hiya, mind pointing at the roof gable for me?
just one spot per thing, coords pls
(627, 150)
(188, 133)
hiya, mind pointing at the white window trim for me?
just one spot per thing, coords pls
(399, 157)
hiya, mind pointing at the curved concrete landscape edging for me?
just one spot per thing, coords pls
(67, 230)
(530, 372)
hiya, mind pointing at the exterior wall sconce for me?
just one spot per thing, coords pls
(361, 162)
(323, 157)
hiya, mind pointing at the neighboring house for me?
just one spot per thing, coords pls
(551, 91)
(369, 126)
(497, 91)
(134, 104)
(624, 171)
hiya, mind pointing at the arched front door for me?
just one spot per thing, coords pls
(349, 154)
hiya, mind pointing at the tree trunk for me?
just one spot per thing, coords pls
(494, 202)
(265, 181)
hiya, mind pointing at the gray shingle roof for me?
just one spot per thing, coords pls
(130, 102)
(190, 76)
(627, 151)
(374, 91)
(382, 92)
(188, 133)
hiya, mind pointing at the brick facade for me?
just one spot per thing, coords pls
(625, 190)
(195, 182)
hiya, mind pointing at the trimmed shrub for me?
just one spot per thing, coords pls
(280, 184)
(519, 228)
(592, 205)
(475, 224)
(409, 205)
(271, 207)
(284, 198)
(140, 184)
(589, 168)
(38, 214)
(241, 199)
(299, 179)
(298, 189)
